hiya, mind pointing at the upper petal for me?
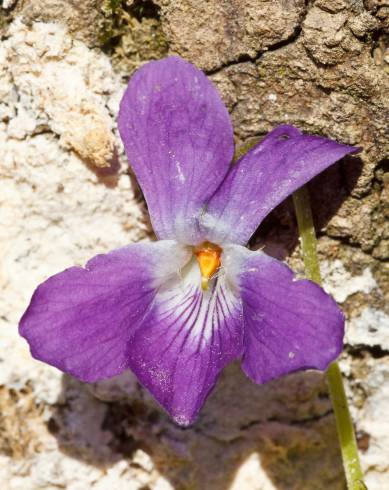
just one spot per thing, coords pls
(281, 163)
(178, 138)
(81, 320)
(289, 324)
(185, 341)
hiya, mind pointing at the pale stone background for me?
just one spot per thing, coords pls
(66, 194)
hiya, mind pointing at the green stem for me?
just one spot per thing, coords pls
(344, 425)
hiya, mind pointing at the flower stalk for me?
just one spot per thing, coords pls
(344, 425)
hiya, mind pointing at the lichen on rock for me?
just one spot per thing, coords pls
(132, 34)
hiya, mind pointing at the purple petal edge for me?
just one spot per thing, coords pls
(290, 324)
(282, 162)
(81, 320)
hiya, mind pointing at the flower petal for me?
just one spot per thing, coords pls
(81, 320)
(289, 324)
(184, 343)
(179, 140)
(281, 163)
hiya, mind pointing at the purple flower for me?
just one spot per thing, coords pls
(178, 310)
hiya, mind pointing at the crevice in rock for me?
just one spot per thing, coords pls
(360, 351)
(6, 17)
(379, 45)
(144, 9)
(296, 34)
(298, 422)
(244, 58)
(325, 90)
(381, 169)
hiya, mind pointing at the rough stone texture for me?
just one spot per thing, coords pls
(214, 33)
(66, 195)
(74, 111)
(82, 18)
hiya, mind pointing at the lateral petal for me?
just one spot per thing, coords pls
(81, 320)
(178, 138)
(289, 324)
(281, 163)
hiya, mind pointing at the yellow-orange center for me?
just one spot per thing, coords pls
(208, 257)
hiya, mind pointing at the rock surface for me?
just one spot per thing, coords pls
(67, 195)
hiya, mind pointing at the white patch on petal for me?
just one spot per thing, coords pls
(234, 259)
(182, 420)
(183, 303)
(217, 229)
(180, 174)
(171, 257)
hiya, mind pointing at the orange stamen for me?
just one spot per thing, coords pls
(208, 257)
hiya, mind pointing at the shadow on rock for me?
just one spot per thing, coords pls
(278, 233)
(109, 175)
(282, 432)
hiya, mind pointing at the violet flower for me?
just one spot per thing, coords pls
(178, 310)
